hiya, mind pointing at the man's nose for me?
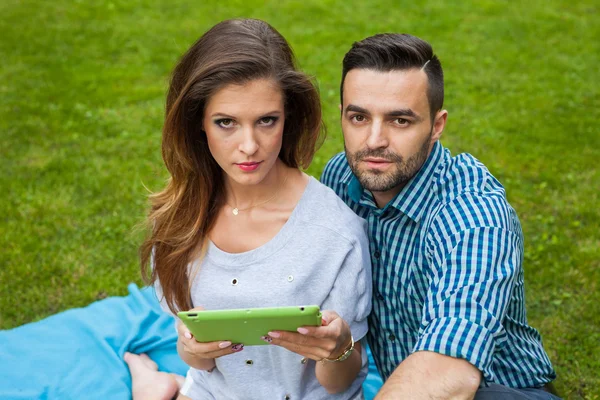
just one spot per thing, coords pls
(377, 136)
(249, 144)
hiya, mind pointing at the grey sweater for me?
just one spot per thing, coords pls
(320, 256)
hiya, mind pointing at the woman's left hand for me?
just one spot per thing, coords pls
(329, 340)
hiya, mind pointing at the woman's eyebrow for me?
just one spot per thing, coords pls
(274, 112)
(223, 115)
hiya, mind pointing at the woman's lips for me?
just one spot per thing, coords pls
(248, 166)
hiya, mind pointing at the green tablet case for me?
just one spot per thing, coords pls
(246, 326)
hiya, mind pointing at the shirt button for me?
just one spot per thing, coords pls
(392, 337)
(290, 278)
(249, 362)
(287, 397)
(304, 360)
(377, 255)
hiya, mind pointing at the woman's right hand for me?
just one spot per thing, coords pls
(199, 354)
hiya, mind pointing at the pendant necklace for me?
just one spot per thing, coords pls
(236, 210)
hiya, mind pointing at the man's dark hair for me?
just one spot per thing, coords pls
(386, 52)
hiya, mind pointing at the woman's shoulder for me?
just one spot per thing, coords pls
(323, 207)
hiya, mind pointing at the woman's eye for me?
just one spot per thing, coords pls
(267, 121)
(224, 123)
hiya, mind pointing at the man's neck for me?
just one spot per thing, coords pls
(383, 198)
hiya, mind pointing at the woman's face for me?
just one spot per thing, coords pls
(244, 129)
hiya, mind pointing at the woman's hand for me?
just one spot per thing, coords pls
(329, 340)
(201, 355)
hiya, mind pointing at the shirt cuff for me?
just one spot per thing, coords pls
(459, 338)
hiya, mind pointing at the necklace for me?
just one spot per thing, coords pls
(236, 210)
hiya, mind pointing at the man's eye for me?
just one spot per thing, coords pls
(402, 121)
(224, 123)
(358, 118)
(267, 121)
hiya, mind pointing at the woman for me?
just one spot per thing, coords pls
(239, 225)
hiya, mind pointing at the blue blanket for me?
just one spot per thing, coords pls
(79, 353)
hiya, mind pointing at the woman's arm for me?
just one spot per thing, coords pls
(336, 377)
(327, 341)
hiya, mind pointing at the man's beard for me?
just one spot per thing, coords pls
(380, 181)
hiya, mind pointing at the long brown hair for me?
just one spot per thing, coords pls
(183, 214)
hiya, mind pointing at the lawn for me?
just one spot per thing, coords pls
(82, 88)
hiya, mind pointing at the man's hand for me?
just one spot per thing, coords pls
(329, 340)
(427, 375)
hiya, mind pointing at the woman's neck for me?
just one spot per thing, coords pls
(245, 196)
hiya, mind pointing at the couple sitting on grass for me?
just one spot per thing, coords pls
(403, 246)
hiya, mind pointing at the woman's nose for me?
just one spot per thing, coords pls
(249, 144)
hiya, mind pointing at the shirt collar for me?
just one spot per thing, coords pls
(410, 201)
(346, 176)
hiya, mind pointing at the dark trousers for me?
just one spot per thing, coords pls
(499, 392)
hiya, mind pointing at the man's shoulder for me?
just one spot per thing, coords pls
(470, 196)
(465, 173)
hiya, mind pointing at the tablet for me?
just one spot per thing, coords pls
(248, 325)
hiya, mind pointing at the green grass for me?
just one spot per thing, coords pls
(82, 89)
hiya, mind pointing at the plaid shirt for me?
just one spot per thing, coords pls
(447, 256)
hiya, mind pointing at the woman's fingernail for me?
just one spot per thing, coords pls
(237, 347)
(274, 334)
(223, 345)
(303, 331)
(323, 322)
(187, 335)
(267, 339)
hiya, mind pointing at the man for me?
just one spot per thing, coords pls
(448, 316)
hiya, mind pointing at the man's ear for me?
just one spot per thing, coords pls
(439, 123)
(340, 107)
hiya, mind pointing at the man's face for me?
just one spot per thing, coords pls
(388, 132)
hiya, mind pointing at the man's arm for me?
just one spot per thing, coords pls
(474, 268)
(428, 375)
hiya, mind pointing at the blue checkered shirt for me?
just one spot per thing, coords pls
(447, 256)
